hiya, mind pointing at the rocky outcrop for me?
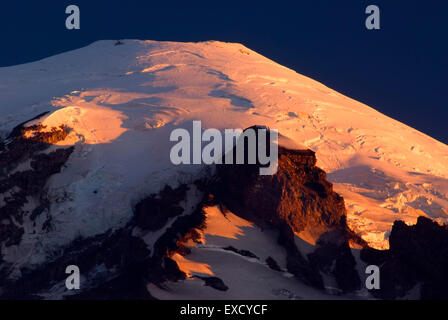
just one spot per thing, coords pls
(244, 253)
(153, 212)
(333, 257)
(144, 266)
(114, 251)
(27, 146)
(298, 194)
(214, 282)
(417, 258)
(296, 200)
(117, 264)
(273, 264)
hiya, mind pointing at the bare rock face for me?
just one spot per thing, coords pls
(298, 194)
(153, 212)
(417, 258)
(26, 145)
(333, 257)
(117, 264)
(296, 200)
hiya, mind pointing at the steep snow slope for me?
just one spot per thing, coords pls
(122, 102)
(216, 255)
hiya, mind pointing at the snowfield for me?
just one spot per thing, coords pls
(122, 102)
(255, 279)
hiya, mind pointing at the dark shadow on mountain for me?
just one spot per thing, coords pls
(240, 102)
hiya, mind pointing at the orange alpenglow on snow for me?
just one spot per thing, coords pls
(123, 107)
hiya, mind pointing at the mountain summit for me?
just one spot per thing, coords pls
(96, 122)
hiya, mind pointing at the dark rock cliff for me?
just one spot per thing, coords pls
(417, 258)
(298, 194)
(297, 200)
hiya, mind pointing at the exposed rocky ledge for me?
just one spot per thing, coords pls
(296, 200)
(417, 259)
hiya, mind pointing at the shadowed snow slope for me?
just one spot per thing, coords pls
(122, 102)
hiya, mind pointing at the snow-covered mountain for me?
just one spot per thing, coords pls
(117, 105)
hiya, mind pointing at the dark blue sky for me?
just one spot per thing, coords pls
(400, 70)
